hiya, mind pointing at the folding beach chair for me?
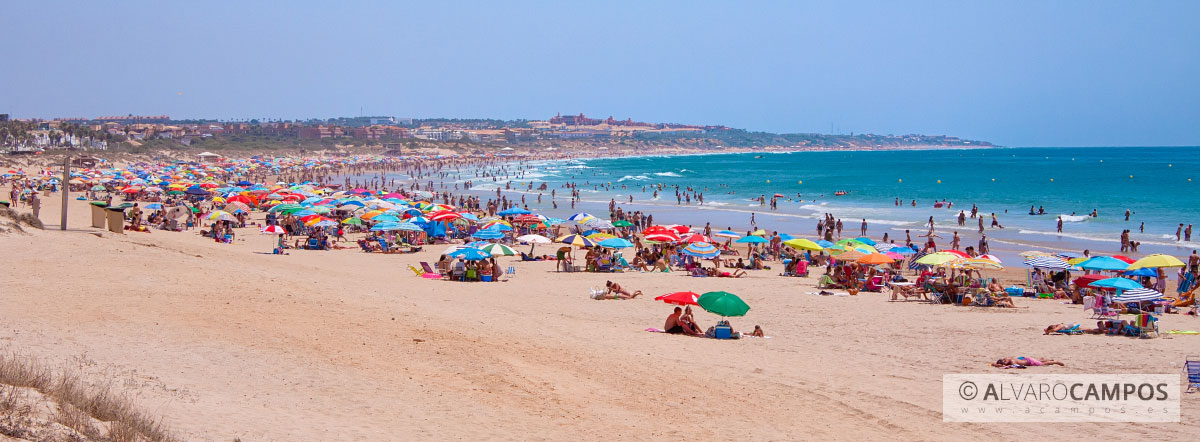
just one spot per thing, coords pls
(512, 271)
(1145, 323)
(1191, 367)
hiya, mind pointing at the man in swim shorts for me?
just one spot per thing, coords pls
(673, 326)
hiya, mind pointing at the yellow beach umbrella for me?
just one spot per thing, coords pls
(1156, 261)
(759, 232)
(938, 259)
(802, 244)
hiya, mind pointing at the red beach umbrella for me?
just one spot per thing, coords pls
(679, 298)
(662, 237)
(657, 229)
(960, 253)
(445, 215)
(1127, 259)
(1087, 280)
(696, 237)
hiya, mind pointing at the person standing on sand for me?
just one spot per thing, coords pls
(980, 224)
(864, 228)
(1060, 224)
(839, 228)
(1124, 240)
(983, 245)
(954, 242)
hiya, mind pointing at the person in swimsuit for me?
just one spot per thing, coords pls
(1025, 362)
(618, 292)
(672, 326)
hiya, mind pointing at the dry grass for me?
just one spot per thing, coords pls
(77, 406)
(22, 218)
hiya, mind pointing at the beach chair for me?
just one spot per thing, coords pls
(826, 282)
(313, 244)
(1191, 368)
(875, 284)
(802, 268)
(512, 271)
(1143, 324)
(428, 268)
(363, 246)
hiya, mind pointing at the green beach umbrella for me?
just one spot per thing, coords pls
(723, 304)
(353, 221)
(622, 223)
(498, 250)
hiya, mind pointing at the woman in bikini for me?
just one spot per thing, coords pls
(1025, 362)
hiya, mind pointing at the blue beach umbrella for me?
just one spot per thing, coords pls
(1144, 271)
(488, 234)
(1103, 263)
(470, 254)
(615, 243)
(865, 240)
(513, 211)
(751, 240)
(1117, 283)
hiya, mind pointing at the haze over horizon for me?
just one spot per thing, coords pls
(1070, 73)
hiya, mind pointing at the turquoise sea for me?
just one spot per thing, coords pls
(1158, 184)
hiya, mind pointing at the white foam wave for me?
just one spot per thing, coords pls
(633, 178)
(1074, 218)
(668, 174)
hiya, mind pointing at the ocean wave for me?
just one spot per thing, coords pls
(633, 178)
(579, 166)
(1074, 218)
(669, 174)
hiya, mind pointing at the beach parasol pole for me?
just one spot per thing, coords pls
(65, 190)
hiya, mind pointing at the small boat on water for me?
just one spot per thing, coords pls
(840, 193)
(758, 156)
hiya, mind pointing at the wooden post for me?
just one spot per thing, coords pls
(66, 190)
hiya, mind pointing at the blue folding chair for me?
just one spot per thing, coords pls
(1191, 367)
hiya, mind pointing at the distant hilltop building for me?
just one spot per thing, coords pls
(134, 119)
(574, 120)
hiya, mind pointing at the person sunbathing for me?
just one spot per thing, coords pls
(689, 322)
(1022, 361)
(721, 274)
(619, 292)
(1060, 327)
(1002, 301)
(995, 288)
(758, 332)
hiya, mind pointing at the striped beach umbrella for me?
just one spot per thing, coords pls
(702, 250)
(1138, 294)
(662, 237)
(499, 250)
(1047, 262)
(576, 240)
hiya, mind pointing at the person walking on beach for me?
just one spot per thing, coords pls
(954, 242)
(35, 202)
(752, 223)
(864, 227)
(980, 224)
(1124, 240)
(1060, 224)
(983, 245)
(839, 228)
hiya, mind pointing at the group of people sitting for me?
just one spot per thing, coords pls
(462, 270)
(682, 322)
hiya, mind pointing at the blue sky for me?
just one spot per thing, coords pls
(1018, 73)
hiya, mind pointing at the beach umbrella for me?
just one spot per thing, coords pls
(352, 221)
(894, 255)
(850, 256)
(598, 236)
(865, 240)
(325, 223)
(1156, 261)
(580, 217)
(1144, 271)
(498, 250)
(751, 240)
(1087, 280)
(1103, 263)
(576, 240)
(1033, 254)
(1124, 258)
(1047, 262)
(99, 188)
(701, 250)
(383, 227)
(902, 250)
(220, 215)
(975, 264)
(470, 254)
(154, 206)
(825, 244)
(994, 258)
(696, 237)
(759, 232)
(513, 211)
(726, 234)
(874, 259)
(622, 223)
(1117, 283)
(803, 244)
(723, 304)
(615, 243)
(534, 239)
(958, 253)
(1137, 295)
(407, 226)
(937, 259)
(444, 215)
(1068, 255)
(597, 223)
(679, 298)
(488, 234)
(662, 237)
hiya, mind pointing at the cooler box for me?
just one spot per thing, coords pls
(723, 332)
(1015, 291)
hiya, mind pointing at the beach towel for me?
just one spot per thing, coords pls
(1183, 332)
(655, 330)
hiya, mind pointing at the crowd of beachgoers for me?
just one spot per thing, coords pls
(389, 205)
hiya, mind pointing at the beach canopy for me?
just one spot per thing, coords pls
(1047, 262)
(1117, 283)
(751, 240)
(723, 304)
(803, 244)
(1103, 263)
(1156, 261)
(679, 298)
(1137, 295)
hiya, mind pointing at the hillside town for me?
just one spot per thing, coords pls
(105, 132)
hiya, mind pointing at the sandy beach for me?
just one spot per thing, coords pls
(228, 341)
